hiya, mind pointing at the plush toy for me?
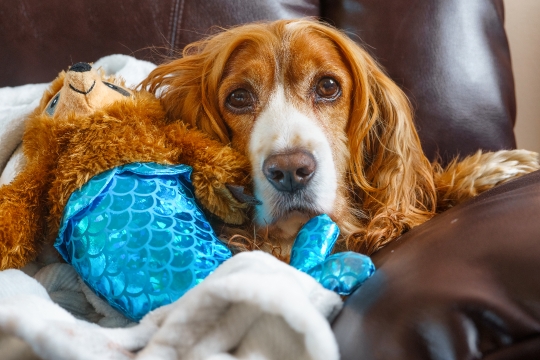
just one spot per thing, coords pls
(87, 124)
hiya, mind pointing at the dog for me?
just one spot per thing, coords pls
(325, 131)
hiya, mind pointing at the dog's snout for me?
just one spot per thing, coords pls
(80, 67)
(291, 171)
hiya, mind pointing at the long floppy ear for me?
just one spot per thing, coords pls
(188, 86)
(391, 177)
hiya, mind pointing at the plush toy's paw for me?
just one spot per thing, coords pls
(18, 227)
(15, 256)
(214, 165)
(218, 199)
(341, 272)
(235, 211)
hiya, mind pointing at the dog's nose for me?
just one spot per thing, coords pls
(80, 67)
(291, 171)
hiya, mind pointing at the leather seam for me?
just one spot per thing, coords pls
(173, 19)
(179, 19)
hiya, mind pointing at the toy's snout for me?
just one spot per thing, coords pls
(81, 79)
(81, 67)
(84, 91)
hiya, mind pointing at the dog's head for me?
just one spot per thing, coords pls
(325, 129)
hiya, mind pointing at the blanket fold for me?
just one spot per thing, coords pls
(252, 307)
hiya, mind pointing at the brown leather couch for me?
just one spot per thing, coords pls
(464, 285)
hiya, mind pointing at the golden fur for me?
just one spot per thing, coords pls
(385, 183)
(65, 150)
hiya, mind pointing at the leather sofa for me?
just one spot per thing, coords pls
(464, 285)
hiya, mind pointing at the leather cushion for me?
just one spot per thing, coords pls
(39, 38)
(463, 285)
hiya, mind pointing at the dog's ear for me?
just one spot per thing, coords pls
(391, 177)
(188, 86)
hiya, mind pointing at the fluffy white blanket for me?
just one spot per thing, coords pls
(251, 307)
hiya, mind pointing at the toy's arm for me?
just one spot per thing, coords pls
(214, 166)
(23, 202)
(22, 220)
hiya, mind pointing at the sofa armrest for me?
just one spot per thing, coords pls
(463, 285)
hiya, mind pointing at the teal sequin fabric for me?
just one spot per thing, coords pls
(137, 238)
(342, 272)
(314, 242)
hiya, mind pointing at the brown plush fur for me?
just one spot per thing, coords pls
(63, 152)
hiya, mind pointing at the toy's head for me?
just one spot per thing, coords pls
(82, 90)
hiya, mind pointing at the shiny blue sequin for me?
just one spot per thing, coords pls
(314, 242)
(137, 238)
(341, 272)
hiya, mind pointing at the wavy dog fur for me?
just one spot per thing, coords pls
(385, 184)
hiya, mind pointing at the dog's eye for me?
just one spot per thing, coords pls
(328, 88)
(240, 99)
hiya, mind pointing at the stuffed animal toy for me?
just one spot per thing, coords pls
(87, 124)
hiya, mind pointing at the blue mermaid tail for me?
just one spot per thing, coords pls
(137, 238)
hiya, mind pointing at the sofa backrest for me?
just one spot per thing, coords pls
(450, 56)
(452, 59)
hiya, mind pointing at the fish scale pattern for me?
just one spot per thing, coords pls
(314, 242)
(136, 237)
(343, 272)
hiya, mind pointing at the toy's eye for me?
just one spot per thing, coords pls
(52, 105)
(117, 89)
(240, 101)
(327, 89)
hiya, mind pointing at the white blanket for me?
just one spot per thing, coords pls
(251, 307)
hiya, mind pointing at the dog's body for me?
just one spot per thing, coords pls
(325, 130)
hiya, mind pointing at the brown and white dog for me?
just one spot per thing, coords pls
(325, 130)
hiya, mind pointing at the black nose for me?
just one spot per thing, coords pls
(289, 172)
(80, 67)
